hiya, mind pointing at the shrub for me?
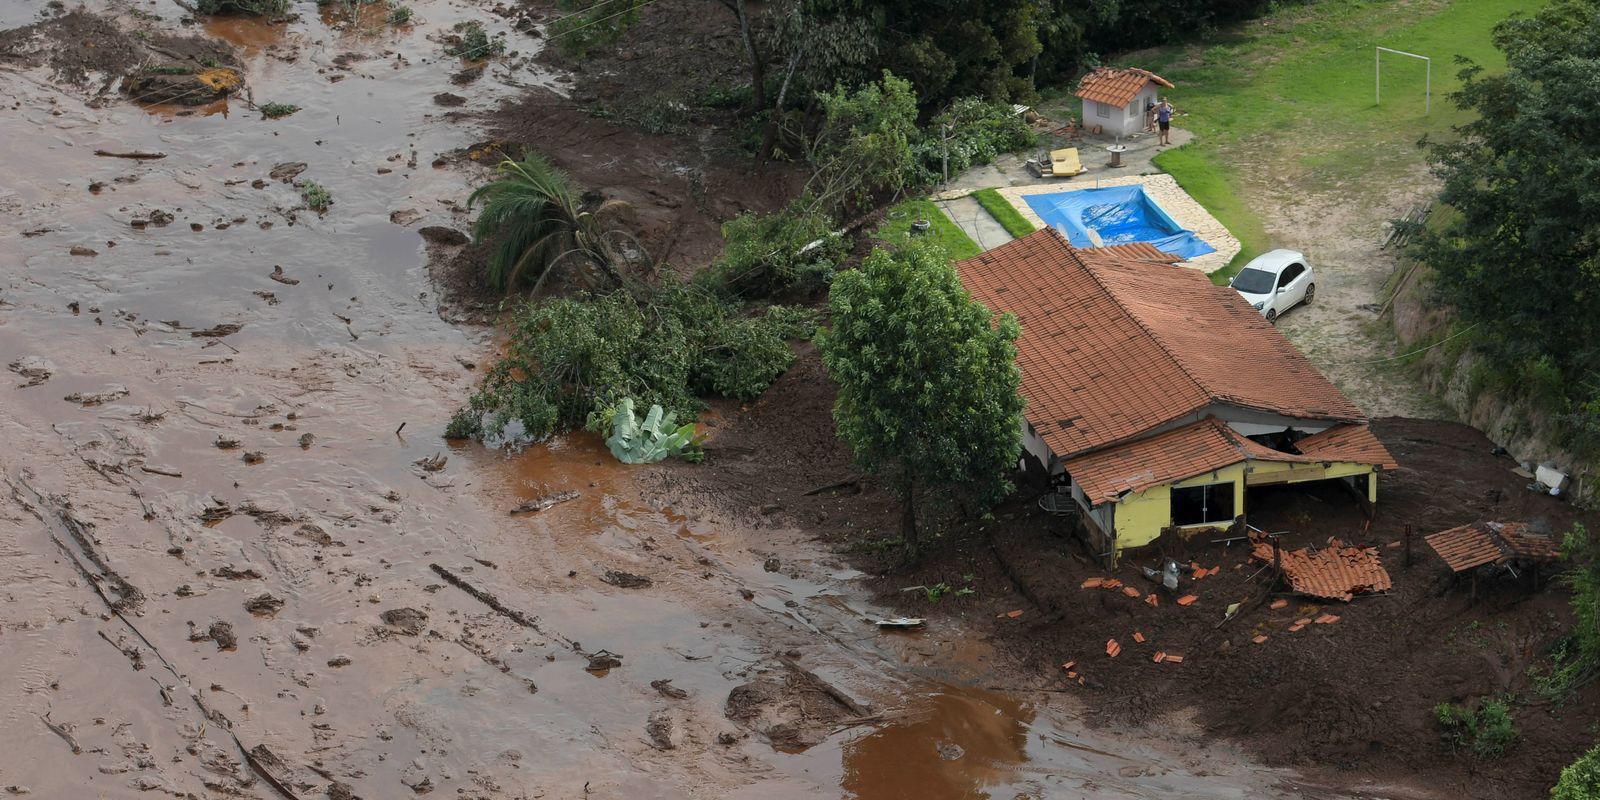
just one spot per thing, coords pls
(1581, 779)
(276, 110)
(400, 15)
(265, 8)
(473, 43)
(316, 197)
(970, 133)
(766, 254)
(1488, 732)
(592, 22)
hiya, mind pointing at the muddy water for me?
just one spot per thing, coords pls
(185, 618)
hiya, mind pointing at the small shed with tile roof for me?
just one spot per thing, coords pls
(1159, 396)
(1117, 100)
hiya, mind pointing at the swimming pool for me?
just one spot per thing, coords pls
(1118, 215)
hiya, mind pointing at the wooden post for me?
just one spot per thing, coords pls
(1277, 557)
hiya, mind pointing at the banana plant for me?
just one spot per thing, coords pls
(649, 441)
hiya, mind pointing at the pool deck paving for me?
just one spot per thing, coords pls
(977, 223)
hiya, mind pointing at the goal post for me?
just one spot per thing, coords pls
(1377, 75)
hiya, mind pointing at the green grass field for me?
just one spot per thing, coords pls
(1291, 96)
(896, 227)
(1003, 212)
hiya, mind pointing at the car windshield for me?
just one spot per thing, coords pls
(1253, 281)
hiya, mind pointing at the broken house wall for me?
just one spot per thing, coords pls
(1140, 517)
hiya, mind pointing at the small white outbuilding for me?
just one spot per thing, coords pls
(1114, 100)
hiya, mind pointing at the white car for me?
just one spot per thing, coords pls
(1275, 282)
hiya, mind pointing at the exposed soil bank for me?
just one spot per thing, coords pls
(1350, 702)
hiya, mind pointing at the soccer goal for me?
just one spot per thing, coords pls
(1377, 75)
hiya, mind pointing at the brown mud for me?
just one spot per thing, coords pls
(245, 564)
(1349, 703)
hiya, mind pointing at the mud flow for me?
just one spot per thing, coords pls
(240, 560)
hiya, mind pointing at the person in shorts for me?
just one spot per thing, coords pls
(1164, 121)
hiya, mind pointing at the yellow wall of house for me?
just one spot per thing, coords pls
(1141, 517)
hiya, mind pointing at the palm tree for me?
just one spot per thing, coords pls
(539, 222)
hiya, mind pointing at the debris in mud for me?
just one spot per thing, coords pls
(106, 395)
(314, 533)
(415, 776)
(950, 751)
(467, 75)
(263, 605)
(432, 463)
(233, 573)
(156, 470)
(225, 443)
(36, 369)
(286, 173)
(137, 156)
(254, 457)
(408, 621)
(181, 85)
(439, 234)
(340, 660)
(661, 731)
(222, 633)
(449, 100)
(338, 790)
(404, 216)
(604, 661)
(279, 276)
(665, 687)
(625, 580)
(80, 250)
(543, 503)
(305, 441)
(271, 298)
(771, 565)
(217, 511)
(219, 330)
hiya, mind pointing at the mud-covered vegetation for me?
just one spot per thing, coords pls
(664, 345)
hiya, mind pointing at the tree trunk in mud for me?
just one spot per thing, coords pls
(908, 520)
(758, 68)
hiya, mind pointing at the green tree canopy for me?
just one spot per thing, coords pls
(864, 144)
(1580, 780)
(1520, 257)
(927, 380)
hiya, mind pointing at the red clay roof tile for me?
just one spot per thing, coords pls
(1112, 349)
(1479, 543)
(1116, 87)
(1335, 572)
(1354, 443)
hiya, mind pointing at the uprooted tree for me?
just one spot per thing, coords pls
(927, 379)
(539, 225)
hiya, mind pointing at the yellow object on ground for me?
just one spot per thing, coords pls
(220, 79)
(1064, 163)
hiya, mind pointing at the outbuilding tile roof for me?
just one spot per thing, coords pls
(1113, 349)
(1480, 543)
(1116, 87)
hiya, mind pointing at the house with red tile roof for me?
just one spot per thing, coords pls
(1159, 397)
(1115, 100)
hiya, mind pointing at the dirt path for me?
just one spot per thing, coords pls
(232, 570)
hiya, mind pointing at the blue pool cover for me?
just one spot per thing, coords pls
(1120, 214)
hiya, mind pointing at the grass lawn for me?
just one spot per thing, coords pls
(896, 227)
(1290, 98)
(1003, 213)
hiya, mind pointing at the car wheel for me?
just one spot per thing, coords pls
(1311, 294)
(1272, 315)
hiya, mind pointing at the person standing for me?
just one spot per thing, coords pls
(1164, 122)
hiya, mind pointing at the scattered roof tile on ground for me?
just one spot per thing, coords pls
(1116, 87)
(1112, 349)
(1479, 543)
(1335, 572)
